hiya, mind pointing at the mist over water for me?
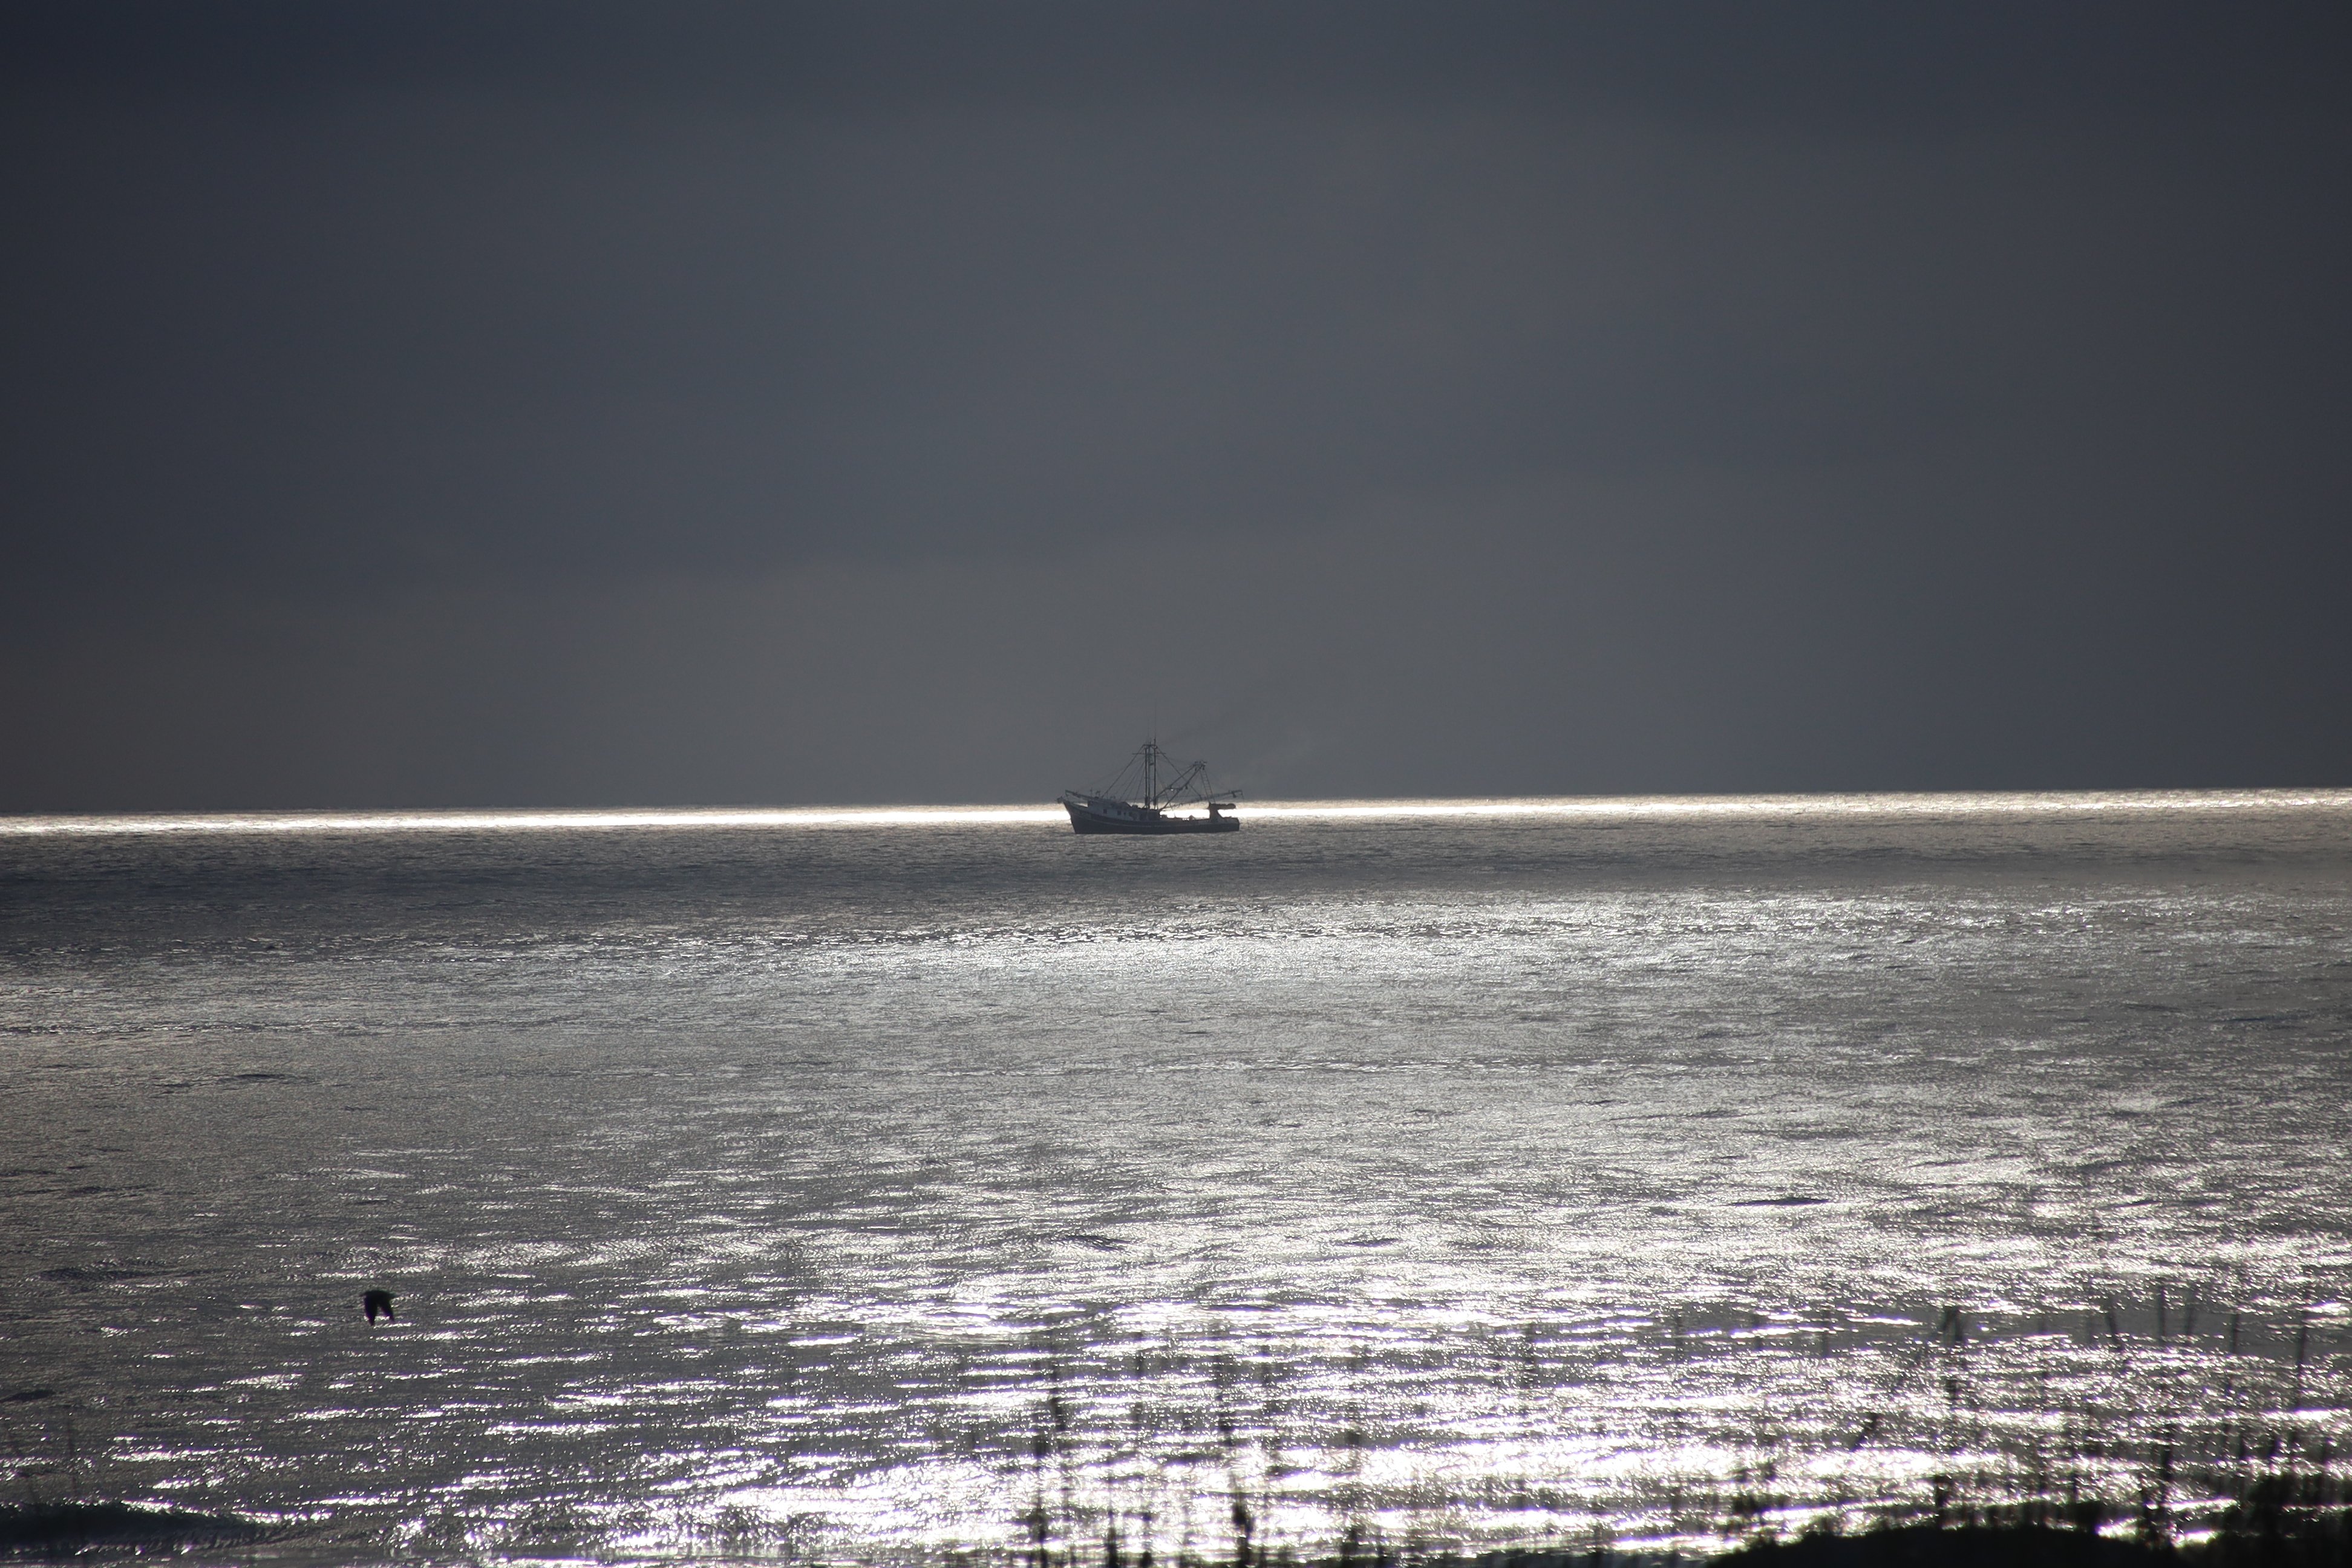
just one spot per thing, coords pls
(1621, 1172)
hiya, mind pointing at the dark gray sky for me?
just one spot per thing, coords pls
(499, 404)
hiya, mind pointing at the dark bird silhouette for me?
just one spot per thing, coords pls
(376, 1301)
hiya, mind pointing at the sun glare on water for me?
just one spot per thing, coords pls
(1599, 809)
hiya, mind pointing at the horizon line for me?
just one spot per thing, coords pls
(524, 819)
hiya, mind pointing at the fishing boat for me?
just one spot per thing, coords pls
(1138, 801)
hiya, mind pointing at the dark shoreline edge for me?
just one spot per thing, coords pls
(2292, 1538)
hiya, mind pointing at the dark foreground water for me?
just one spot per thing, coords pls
(1625, 1171)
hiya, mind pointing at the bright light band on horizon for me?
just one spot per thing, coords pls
(1595, 809)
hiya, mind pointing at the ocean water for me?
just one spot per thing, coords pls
(893, 1186)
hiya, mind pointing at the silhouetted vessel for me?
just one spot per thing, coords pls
(1137, 802)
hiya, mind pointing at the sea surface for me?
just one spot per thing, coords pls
(889, 1187)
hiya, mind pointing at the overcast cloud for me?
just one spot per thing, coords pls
(534, 405)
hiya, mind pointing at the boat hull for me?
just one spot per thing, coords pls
(1120, 818)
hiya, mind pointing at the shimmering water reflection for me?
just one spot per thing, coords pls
(910, 1188)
